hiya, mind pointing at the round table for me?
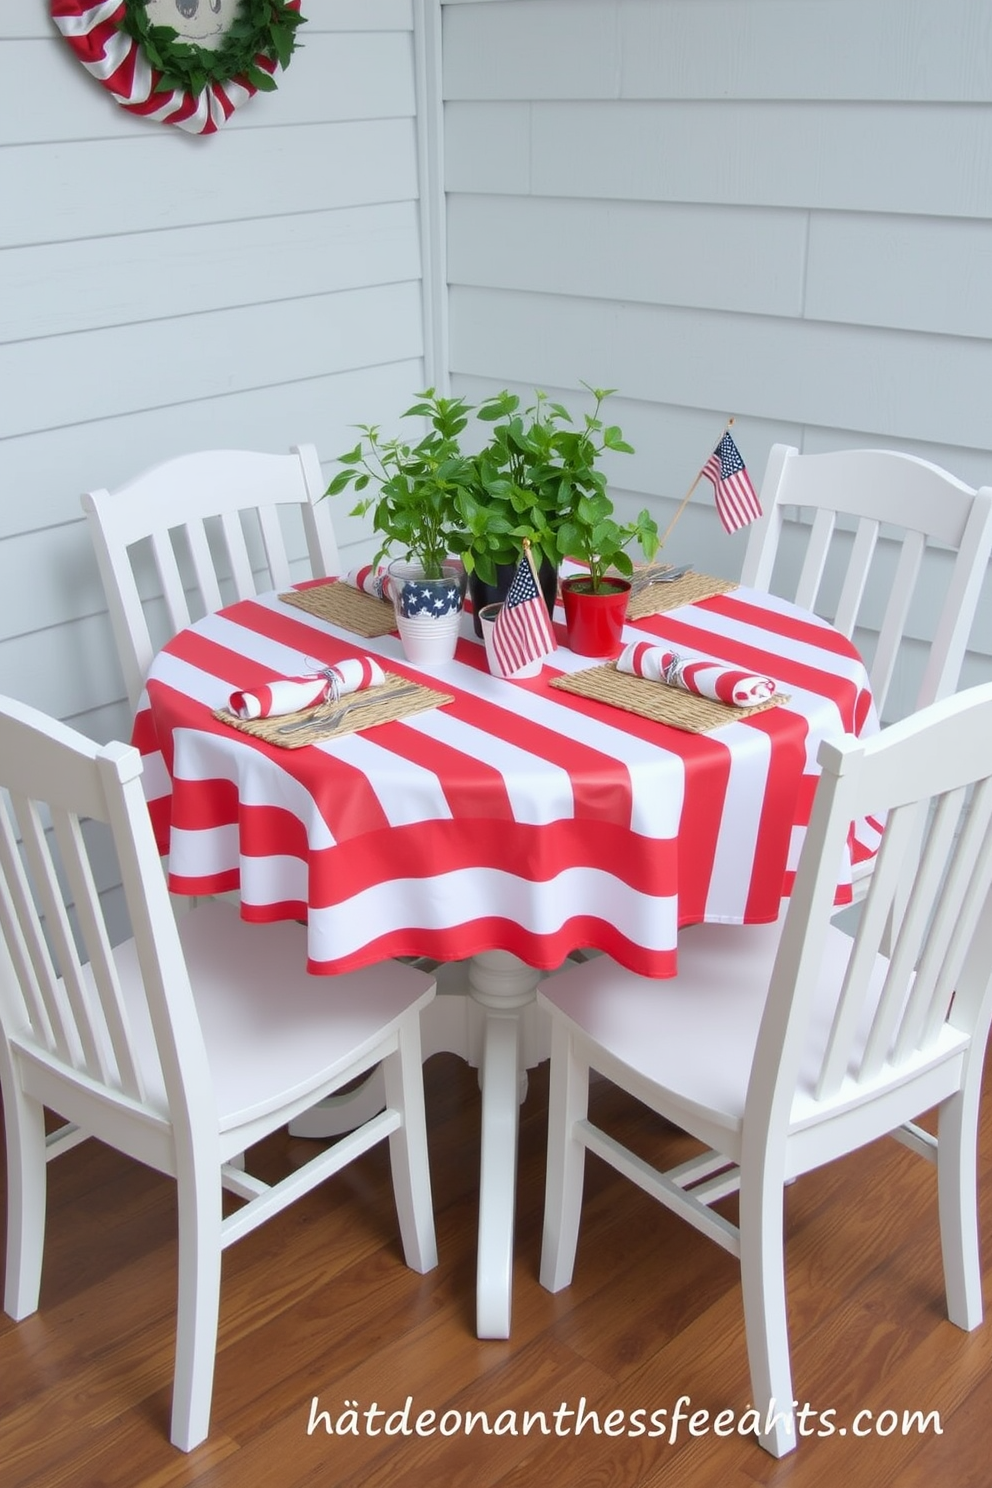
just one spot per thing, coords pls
(499, 834)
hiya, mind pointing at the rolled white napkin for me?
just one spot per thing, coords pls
(371, 579)
(291, 694)
(708, 679)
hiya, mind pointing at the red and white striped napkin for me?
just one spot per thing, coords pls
(708, 679)
(291, 694)
(371, 579)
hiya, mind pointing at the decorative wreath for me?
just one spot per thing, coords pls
(162, 73)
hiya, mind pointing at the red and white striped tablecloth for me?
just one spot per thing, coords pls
(519, 817)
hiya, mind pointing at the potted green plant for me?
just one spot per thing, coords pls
(413, 489)
(586, 529)
(513, 495)
(595, 602)
(530, 481)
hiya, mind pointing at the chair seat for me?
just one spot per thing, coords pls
(694, 1037)
(272, 1033)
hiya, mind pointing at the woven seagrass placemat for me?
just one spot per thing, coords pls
(656, 700)
(342, 604)
(388, 708)
(655, 599)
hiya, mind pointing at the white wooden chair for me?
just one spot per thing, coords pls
(908, 503)
(182, 1046)
(781, 1047)
(173, 506)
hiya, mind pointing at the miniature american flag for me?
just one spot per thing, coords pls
(522, 630)
(736, 500)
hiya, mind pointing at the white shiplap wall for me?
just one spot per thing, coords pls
(161, 293)
(780, 211)
(777, 210)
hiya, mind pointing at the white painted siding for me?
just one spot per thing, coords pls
(161, 293)
(777, 211)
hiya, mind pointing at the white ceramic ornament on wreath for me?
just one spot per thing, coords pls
(205, 22)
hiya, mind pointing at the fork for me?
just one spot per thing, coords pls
(329, 722)
(668, 577)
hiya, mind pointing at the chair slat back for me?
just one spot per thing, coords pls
(30, 958)
(932, 776)
(236, 548)
(99, 959)
(815, 561)
(856, 577)
(171, 581)
(894, 621)
(952, 927)
(85, 1012)
(69, 1006)
(79, 1013)
(902, 506)
(211, 526)
(274, 542)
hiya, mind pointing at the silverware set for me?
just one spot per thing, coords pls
(328, 722)
(666, 576)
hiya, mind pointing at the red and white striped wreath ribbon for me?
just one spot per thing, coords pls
(115, 59)
(708, 679)
(291, 694)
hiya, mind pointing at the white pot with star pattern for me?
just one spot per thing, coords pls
(428, 610)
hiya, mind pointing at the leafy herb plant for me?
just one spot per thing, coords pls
(416, 489)
(541, 477)
(514, 493)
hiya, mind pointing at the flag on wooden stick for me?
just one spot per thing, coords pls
(522, 631)
(737, 501)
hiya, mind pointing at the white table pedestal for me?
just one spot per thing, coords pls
(504, 988)
(485, 1012)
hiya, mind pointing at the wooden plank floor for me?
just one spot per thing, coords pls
(317, 1305)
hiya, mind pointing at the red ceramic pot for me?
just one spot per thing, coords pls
(594, 622)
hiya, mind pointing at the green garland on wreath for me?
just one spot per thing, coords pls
(264, 28)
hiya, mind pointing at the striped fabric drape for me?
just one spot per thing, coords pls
(517, 817)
